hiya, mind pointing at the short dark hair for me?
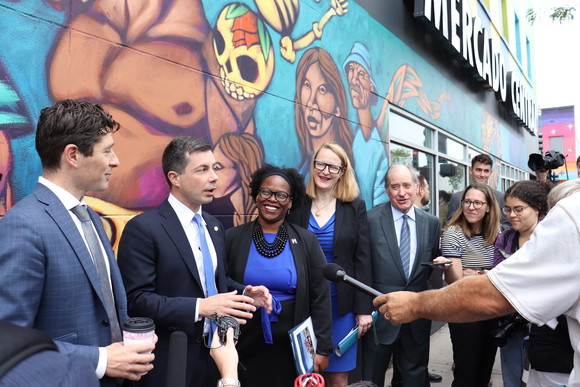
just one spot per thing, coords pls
(481, 158)
(295, 181)
(175, 155)
(69, 121)
(533, 193)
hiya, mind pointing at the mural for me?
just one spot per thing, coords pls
(262, 80)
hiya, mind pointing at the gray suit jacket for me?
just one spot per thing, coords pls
(388, 273)
(48, 280)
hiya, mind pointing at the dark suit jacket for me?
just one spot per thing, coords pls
(48, 280)
(312, 290)
(455, 202)
(351, 249)
(163, 283)
(388, 273)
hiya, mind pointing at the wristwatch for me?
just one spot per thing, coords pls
(228, 382)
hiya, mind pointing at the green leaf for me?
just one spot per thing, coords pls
(236, 10)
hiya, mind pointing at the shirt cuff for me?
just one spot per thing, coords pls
(102, 365)
(196, 314)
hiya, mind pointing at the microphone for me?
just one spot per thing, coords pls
(176, 359)
(335, 273)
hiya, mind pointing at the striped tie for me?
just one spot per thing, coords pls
(405, 246)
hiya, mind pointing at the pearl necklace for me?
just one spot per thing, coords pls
(269, 250)
(318, 211)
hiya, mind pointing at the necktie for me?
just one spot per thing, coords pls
(95, 248)
(210, 287)
(405, 246)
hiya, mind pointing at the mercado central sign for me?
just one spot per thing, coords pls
(472, 43)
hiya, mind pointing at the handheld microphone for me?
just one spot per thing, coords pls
(176, 359)
(335, 273)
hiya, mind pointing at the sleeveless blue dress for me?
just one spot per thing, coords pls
(341, 324)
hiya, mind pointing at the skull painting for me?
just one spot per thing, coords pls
(243, 49)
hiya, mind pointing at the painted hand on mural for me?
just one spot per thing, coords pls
(123, 55)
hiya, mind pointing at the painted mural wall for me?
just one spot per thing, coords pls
(261, 80)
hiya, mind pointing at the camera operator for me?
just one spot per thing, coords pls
(543, 165)
(526, 202)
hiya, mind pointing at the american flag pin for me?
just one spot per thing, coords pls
(294, 241)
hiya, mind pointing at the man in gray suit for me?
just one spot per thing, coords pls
(56, 274)
(480, 171)
(402, 240)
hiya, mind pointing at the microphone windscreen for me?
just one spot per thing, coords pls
(331, 272)
(177, 359)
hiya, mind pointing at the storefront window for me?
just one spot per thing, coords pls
(451, 147)
(403, 128)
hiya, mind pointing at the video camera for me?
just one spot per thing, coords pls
(507, 326)
(552, 160)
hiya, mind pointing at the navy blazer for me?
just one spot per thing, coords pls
(163, 283)
(312, 290)
(388, 272)
(351, 249)
(48, 280)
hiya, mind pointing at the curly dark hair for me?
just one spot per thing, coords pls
(81, 123)
(295, 181)
(533, 193)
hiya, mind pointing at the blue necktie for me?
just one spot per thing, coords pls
(95, 249)
(210, 288)
(405, 246)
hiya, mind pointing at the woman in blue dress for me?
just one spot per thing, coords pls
(338, 218)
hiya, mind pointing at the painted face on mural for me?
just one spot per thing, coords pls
(228, 175)
(359, 85)
(318, 102)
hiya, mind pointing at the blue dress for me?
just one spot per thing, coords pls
(341, 324)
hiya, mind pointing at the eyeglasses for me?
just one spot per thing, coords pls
(332, 168)
(280, 196)
(516, 210)
(476, 203)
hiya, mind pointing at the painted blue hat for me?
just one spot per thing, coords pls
(360, 54)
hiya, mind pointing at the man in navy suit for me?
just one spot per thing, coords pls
(398, 266)
(48, 278)
(164, 267)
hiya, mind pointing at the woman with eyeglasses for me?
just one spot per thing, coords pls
(333, 212)
(468, 241)
(288, 260)
(526, 203)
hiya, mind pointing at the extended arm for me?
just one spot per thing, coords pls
(471, 299)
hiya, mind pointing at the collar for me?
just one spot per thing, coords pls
(184, 213)
(68, 200)
(398, 214)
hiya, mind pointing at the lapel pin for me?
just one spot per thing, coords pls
(294, 241)
(215, 228)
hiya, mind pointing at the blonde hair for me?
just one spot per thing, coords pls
(346, 189)
(490, 224)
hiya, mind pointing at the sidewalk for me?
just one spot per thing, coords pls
(441, 358)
